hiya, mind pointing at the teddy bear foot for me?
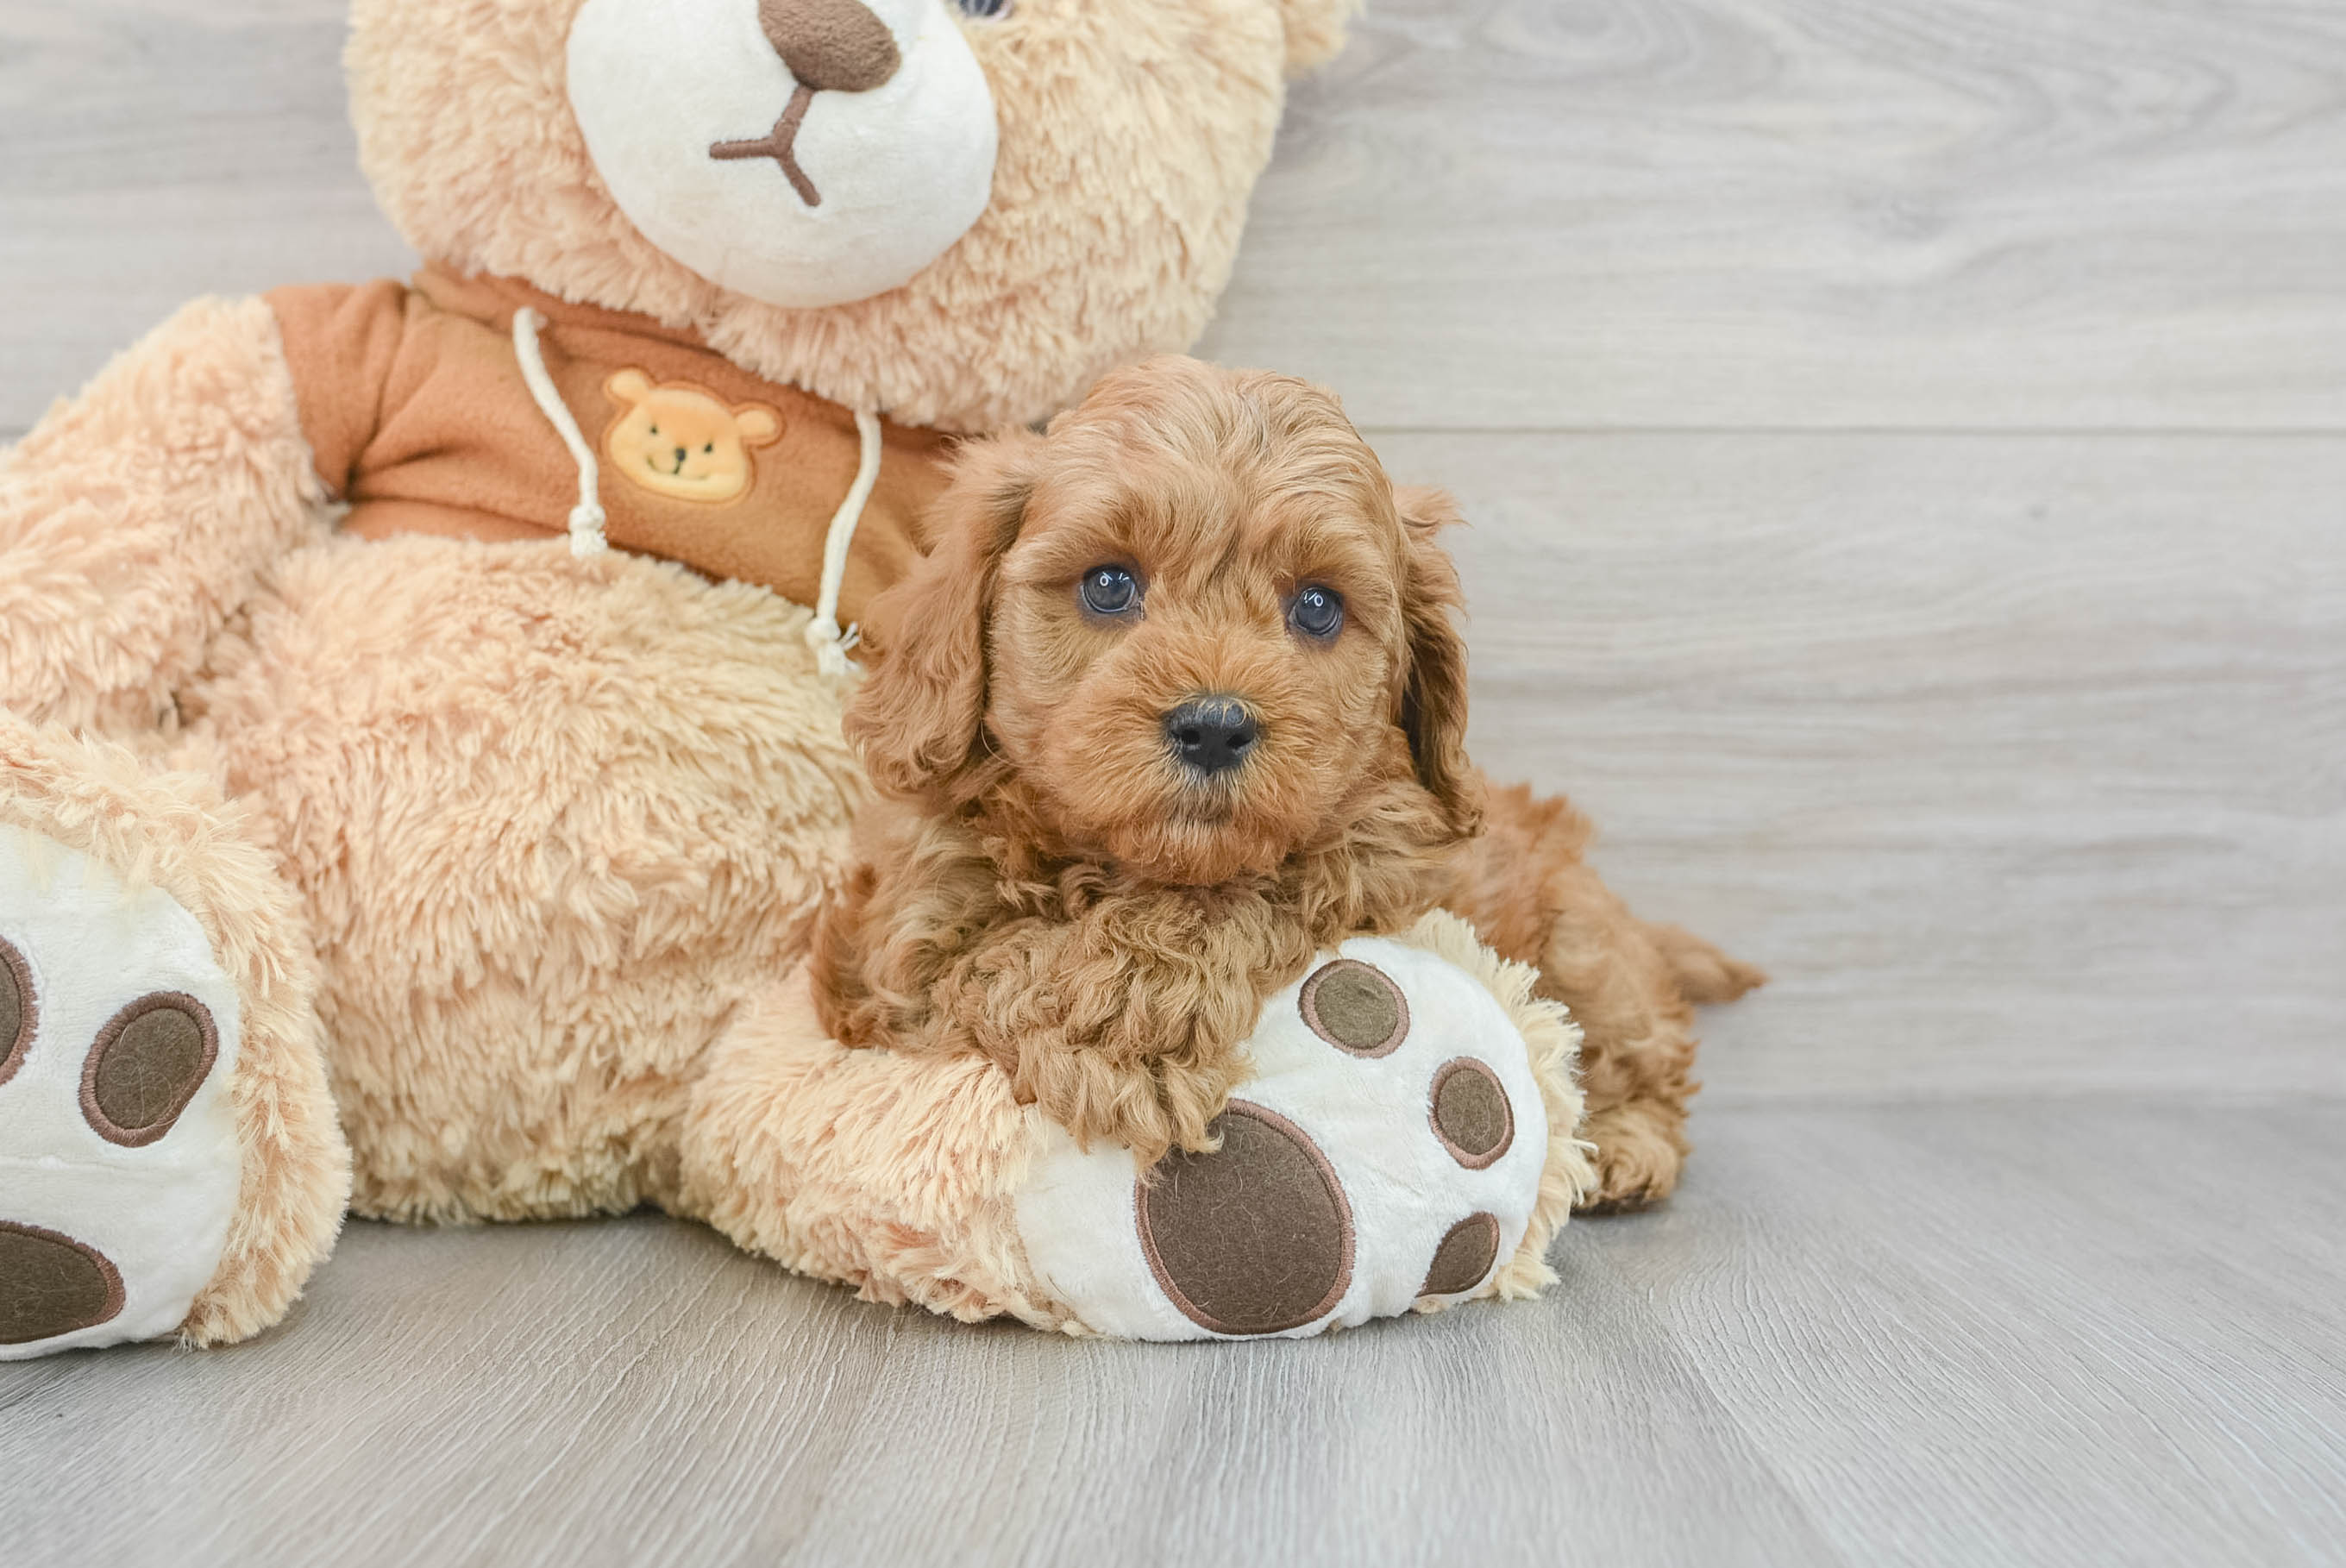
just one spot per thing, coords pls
(1407, 1141)
(169, 1158)
(119, 1167)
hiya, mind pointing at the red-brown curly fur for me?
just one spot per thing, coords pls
(1041, 880)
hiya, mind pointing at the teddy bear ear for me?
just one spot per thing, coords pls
(1315, 31)
(757, 423)
(629, 386)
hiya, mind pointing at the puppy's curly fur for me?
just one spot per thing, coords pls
(1043, 879)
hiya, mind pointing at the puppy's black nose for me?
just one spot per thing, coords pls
(1212, 734)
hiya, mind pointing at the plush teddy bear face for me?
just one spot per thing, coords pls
(799, 152)
(678, 442)
(955, 213)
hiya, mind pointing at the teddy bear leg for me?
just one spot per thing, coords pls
(135, 517)
(896, 1174)
(170, 1159)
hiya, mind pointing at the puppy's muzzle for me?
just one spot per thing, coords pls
(1212, 734)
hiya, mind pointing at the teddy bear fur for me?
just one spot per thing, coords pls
(500, 841)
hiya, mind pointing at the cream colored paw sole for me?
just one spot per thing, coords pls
(1388, 1152)
(119, 1166)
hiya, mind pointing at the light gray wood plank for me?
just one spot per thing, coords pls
(1994, 1332)
(2011, 1333)
(155, 150)
(2019, 761)
(1627, 213)
(1849, 213)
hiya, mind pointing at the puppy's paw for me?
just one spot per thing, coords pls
(1151, 1105)
(1639, 1152)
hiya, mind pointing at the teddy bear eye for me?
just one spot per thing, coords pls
(655, 430)
(986, 10)
(710, 446)
(1109, 590)
(1318, 613)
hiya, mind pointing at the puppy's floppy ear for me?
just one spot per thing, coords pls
(917, 717)
(1433, 694)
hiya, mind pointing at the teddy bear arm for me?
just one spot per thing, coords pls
(895, 1173)
(138, 516)
(919, 1177)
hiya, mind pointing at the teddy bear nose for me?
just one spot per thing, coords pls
(830, 45)
(1212, 734)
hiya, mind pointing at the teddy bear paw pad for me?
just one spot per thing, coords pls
(1253, 1238)
(120, 1164)
(1388, 1150)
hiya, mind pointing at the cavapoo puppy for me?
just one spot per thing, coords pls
(1175, 702)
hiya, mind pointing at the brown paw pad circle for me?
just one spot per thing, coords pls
(17, 1011)
(51, 1285)
(1254, 1238)
(1469, 1112)
(145, 1067)
(1464, 1260)
(1356, 1007)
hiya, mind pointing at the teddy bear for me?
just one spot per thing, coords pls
(419, 744)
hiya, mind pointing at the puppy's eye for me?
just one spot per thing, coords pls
(986, 10)
(711, 447)
(1318, 613)
(1109, 590)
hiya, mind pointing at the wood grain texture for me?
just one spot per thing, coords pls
(1985, 1332)
(2020, 761)
(1838, 213)
(155, 150)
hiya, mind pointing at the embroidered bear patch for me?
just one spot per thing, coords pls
(683, 441)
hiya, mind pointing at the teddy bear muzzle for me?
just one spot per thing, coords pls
(830, 46)
(805, 153)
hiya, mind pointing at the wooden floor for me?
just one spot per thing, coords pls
(1906, 441)
(1997, 1332)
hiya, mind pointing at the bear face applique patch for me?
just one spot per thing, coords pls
(683, 441)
